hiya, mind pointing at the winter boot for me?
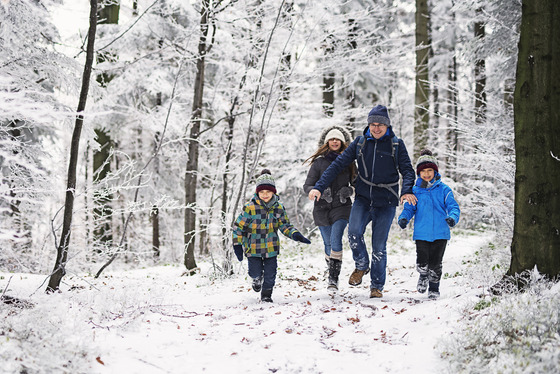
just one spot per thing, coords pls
(375, 293)
(356, 277)
(266, 295)
(422, 285)
(334, 272)
(257, 283)
(433, 290)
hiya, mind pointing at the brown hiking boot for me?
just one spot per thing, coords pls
(356, 277)
(375, 293)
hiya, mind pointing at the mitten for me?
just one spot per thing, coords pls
(450, 221)
(300, 238)
(344, 193)
(327, 195)
(403, 222)
(238, 249)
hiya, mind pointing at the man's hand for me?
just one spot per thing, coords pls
(410, 198)
(314, 195)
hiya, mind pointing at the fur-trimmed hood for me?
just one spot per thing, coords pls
(344, 131)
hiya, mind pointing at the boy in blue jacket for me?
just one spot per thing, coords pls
(435, 212)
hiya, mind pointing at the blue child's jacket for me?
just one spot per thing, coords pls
(435, 203)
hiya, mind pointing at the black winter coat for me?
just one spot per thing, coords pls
(325, 213)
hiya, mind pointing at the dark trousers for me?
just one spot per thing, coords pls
(265, 267)
(429, 258)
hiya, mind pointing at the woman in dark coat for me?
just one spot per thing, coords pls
(332, 211)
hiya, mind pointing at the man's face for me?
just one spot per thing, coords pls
(377, 130)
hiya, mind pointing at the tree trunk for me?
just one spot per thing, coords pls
(328, 80)
(62, 249)
(422, 93)
(536, 232)
(191, 173)
(103, 211)
(480, 73)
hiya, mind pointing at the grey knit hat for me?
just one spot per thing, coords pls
(379, 114)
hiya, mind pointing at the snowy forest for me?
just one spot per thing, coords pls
(132, 132)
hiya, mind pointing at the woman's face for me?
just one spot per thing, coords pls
(335, 144)
(265, 195)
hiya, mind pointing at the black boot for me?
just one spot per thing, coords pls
(334, 272)
(266, 295)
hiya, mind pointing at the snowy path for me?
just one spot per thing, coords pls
(155, 321)
(222, 327)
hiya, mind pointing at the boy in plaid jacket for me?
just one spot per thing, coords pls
(255, 234)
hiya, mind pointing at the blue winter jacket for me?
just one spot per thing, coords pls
(377, 166)
(435, 204)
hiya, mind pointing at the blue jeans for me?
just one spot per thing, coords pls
(362, 214)
(332, 236)
(266, 267)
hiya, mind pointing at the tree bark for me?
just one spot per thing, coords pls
(536, 232)
(103, 210)
(422, 93)
(480, 73)
(62, 249)
(191, 172)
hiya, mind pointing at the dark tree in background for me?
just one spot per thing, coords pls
(62, 249)
(536, 236)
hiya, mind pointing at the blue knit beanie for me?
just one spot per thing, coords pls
(379, 114)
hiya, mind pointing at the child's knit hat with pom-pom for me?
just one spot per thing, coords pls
(425, 161)
(266, 182)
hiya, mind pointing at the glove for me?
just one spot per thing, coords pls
(344, 193)
(327, 195)
(300, 238)
(238, 249)
(403, 222)
(450, 221)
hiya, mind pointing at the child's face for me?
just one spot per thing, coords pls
(427, 174)
(265, 195)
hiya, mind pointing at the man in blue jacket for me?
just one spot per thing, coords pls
(381, 156)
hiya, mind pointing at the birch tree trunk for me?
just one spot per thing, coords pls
(536, 232)
(62, 249)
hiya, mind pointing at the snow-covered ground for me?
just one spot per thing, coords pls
(154, 320)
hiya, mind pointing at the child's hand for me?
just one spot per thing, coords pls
(238, 249)
(300, 238)
(450, 221)
(403, 222)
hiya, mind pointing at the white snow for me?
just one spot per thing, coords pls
(154, 320)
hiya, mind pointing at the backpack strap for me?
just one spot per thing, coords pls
(394, 154)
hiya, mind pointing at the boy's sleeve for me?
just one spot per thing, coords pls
(408, 212)
(239, 227)
(285, 226)
(452, 206)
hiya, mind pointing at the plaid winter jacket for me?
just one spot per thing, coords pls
(257, 228)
